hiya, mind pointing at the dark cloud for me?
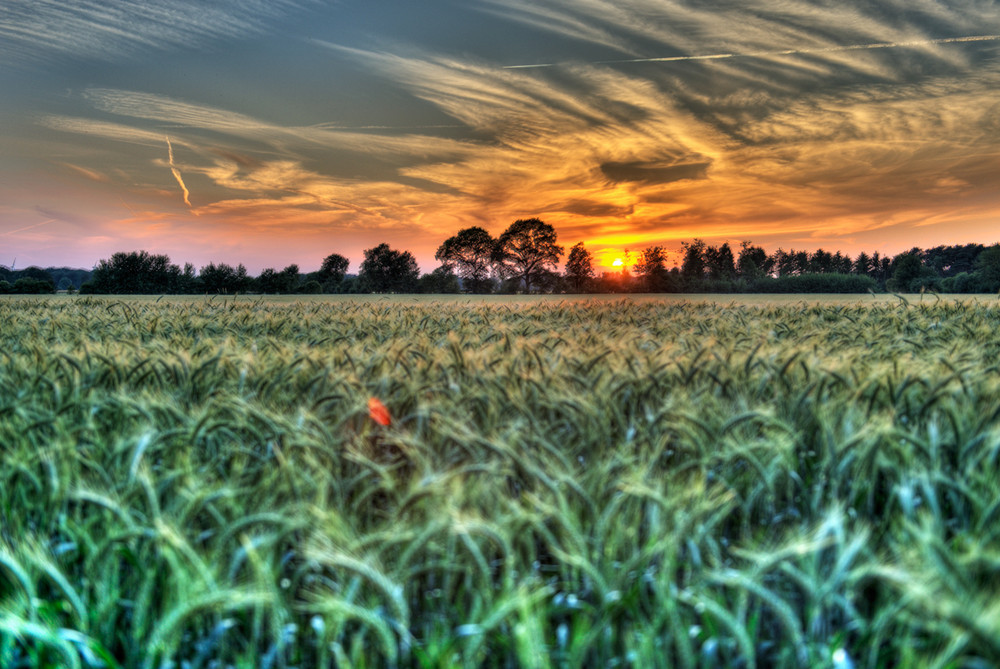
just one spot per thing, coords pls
(241, 159)
(653, 173)
(594, 208)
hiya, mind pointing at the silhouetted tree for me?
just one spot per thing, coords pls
(35, 272)
(988, 268)
(579, 269)
(720, 263)
(135, 273)
(30, 286)
(30, 280)
(820, 262)
(784, 263)
(882, 266)
(842, 263)
(753, 262)
(284, 282)
(693, 265)
(952, 260)
(547, 281)
(288, 279)
(651, 270)
(801, 262)
(469, 253)
(526, 251)
(441, 280)
(386, 270)
(332, 271)
(268, 281)
(909, 274)
(863, 264)
(223, 279)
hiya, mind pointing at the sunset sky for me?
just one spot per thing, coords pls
(272, 132)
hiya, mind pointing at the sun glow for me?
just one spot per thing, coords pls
(611, 259)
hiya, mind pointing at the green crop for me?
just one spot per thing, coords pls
(198, 483)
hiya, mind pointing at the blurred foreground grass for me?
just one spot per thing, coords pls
(195, 483)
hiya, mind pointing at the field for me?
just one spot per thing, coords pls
(639, 482)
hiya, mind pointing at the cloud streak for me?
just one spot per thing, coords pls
(27, 227)
(177, 173)
(784, 52)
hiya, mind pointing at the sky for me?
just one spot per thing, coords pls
(273, 132)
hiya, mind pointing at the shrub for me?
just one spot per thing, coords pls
(814, 283)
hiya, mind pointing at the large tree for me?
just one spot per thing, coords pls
(909, 274)
(387, 270)
(136, 272)
(579, 268)
(693, 266)
(952, 260)
(863, 264)
(223, 278)
(720, 262)
(284, 282)
(651, 270)
(820, 262)
(753, 263)
(333, 270)
(527, 251)
(469, 253)
(988, 268)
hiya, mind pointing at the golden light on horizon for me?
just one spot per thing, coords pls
(611, 259)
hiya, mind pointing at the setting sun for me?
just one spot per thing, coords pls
(617, 263)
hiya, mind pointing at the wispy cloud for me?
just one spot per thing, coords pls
(104, 129)
(42, 29)
(180, 114)
(93, 175)
(783, 52)
(744, 26)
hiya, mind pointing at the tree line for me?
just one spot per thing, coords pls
(35, 280)
(525, 258)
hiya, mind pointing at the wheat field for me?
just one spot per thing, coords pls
(561, 483)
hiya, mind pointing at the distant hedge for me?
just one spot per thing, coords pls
(815, 283)
(27, 286)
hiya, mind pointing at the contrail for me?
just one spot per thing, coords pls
(788, 52)
(177, 172)
(126, 205)
(27, 227)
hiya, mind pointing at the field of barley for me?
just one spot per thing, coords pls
(560, 483)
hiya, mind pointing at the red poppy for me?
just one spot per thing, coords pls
(377, 411)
